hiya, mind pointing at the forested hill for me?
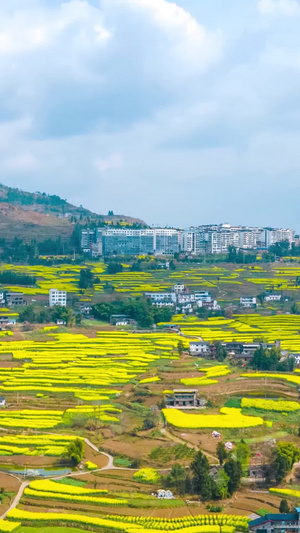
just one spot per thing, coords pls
(41, 202)
(40, 216)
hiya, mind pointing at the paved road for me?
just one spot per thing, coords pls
(109, 466)
(17, 498)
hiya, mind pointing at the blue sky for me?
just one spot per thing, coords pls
(180, 113)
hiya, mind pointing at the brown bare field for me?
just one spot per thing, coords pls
(31, 461)
(132, 446)
(246, 502)
(98, 458)
(10, 484)
(244, 385)
(208, 443)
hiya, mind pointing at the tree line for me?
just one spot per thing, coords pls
(43, 315)
(270, 359)
(137, 309)
(197, 479)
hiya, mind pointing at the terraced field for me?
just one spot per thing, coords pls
(109, 388)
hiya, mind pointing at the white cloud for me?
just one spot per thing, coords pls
(190, 44)
(194, 100)
(287, 8)
(24, 31)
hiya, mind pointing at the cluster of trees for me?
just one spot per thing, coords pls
(240, 256)
(43, 315)
(74, 452)
(12, 278)
(284, 507)
(283, 457)
(18, 250)
(204, 313)
(279, 249)
(197, 480)
(282, 249)
(86, 278)
(221, 352)
(269, 359)
(140, 310)
(114, 267)
(25, 198)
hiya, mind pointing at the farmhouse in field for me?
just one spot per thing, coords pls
(248, 301)
(184, 399)
(15, 298)
(274, 297)
(244, 351)
(200, 348)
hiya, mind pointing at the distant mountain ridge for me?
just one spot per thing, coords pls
(40, 216)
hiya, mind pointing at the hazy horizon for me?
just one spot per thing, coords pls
(180, 113)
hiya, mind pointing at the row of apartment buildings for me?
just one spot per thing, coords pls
(217, 239)
(212, 239)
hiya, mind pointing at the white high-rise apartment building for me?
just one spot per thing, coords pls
(188, 241)
(57, 297)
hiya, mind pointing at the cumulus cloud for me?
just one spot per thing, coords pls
(153, 108)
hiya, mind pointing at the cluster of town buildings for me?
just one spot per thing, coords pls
(243, 351)
(183, 301)
(208, 239)
(216, 239)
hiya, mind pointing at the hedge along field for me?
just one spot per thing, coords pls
(245, 328)
(229, 418)
(90, 368)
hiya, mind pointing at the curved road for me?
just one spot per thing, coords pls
(24, 484)
(17, 498)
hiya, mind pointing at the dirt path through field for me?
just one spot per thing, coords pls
(183, 441)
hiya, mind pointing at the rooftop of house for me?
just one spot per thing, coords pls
(188, 391)
(275, 517)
